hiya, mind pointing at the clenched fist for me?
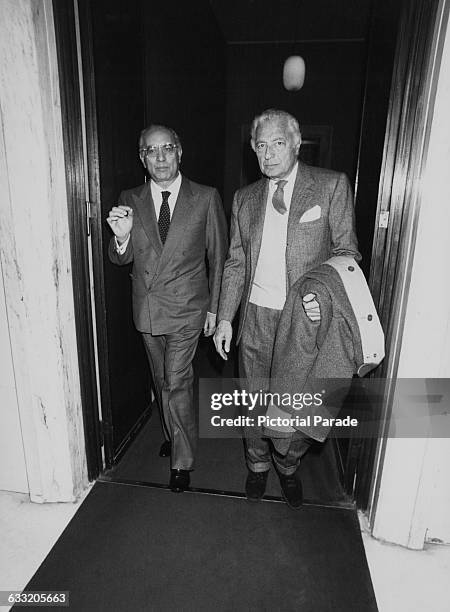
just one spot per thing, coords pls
(120, 220)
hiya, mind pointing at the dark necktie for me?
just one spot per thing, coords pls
(278, 198)
(164, 216)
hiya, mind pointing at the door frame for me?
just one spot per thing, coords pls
(386, 258)
(79, 222)
(414, 81)
(96, 221)
(78, 98)
(74, 41)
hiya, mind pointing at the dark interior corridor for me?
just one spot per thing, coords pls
(207, 79)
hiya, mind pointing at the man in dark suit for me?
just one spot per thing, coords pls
(166, 227)
(282, 226)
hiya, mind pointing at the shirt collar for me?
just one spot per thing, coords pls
(173, 188)
(290, 178)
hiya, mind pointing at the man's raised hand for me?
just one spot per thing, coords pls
(120, 220)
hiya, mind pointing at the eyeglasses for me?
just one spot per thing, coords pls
(155, 150)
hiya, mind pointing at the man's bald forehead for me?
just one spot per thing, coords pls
(158, 130)
(167, 132)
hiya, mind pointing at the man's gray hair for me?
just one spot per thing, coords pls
(273, 114)
(154, 127)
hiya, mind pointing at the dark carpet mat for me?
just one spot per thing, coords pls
(220, 463)
(138, 548)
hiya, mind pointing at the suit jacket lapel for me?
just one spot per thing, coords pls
(300, 199)
(146, 210)
(257, 212)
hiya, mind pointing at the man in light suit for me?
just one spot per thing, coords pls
(166, 227)
(283, 225)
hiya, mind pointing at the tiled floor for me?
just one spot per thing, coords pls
(28, 532)
(409, 580)
(404, 580)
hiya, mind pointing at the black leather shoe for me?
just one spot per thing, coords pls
(291, 490)
(179, 480)
(166, 449)
(255, 485)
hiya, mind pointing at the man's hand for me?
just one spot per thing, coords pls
(120, 220)
(210, 324)
(311, 307)
(222, 338)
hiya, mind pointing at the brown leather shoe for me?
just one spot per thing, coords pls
(179, 480)
(291, 490)
(255, 485)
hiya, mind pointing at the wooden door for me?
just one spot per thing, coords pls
(114, 96)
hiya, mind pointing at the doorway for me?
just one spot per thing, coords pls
(141, 63)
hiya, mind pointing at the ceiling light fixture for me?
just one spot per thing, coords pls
(294, 73)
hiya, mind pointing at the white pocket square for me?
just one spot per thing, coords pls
(311, 214)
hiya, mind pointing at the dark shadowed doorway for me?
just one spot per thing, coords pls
(206, 69)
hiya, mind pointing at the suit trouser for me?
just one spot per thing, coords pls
(170, 357)
(255, 360)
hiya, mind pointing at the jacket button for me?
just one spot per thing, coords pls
(369, 317)
(351, 268)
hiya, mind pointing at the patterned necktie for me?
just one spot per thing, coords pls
(164, 216)
(278, 198)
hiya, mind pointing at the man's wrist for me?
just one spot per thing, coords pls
(121, 241)
(224, 323)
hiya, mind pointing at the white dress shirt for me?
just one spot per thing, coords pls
(269, 283)
(156, 190)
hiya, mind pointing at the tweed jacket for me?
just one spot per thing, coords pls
(309, 243)
(311, 357)
(172, 288)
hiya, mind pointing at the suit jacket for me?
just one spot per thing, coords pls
(308, 244)
(311, 357)
(172, 288)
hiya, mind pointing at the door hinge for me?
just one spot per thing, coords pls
(383, 220)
